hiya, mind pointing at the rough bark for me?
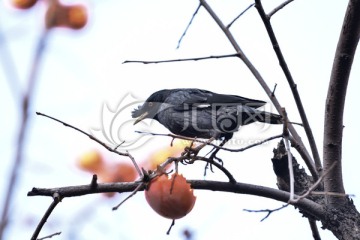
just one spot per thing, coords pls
(343, 220)
(334, 110)
(302, 180)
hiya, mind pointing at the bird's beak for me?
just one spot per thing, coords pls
(142, 116)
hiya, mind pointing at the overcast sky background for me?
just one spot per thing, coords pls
(82, 74)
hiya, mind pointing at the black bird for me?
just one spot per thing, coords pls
(200, 113)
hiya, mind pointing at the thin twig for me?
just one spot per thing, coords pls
(335, 194)
(281, 6)
(253, 145)
(232, 22)
(140, 186)
(293, 87)
(135, 164)
(191, 154)
(163, 165)
(315, 185)
(291, 170)
(50, 236)
(187, 27)
(219, 166)
(213, 144)
(224, 29)
(273, 91)
(127, 154)
(288, 150)
(43, 220)
(269, 211)
(83, 132)
(183, 59)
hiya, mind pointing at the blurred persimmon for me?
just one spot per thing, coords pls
(77, 16)
(72, 16)
(91, 161)
(123, 172)
(23, 4)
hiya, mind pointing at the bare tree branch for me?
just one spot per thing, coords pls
(306, 205)
(190, 155)
(315, 185)
(232, 22)
(219, 166)
(127, 154)
(290, 160)
(50, 236)
(128, 197)
(42, 222)
(26, 102)
(335, 102)
(268, 211)
(292, 84)
(314, 229)
(187, 27)
(182, 59)
(281, 6)
(213, 144)
(262, 82)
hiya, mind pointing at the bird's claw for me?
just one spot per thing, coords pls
(190, 152)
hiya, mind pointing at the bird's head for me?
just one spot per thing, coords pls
(151, 107)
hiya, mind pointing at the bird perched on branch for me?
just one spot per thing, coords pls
(200, 113)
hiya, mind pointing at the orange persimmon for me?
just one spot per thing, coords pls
(23, 4)
(170, 197)
(91, 161)
(72, 16)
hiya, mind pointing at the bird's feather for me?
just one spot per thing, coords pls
(195, 96)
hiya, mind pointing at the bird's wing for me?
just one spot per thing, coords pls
(234, 99)
(203, 98)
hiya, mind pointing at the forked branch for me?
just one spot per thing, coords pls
(308, 159)
(266, 20)
(310, 207)
(127, 154)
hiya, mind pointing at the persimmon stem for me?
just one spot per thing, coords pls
(172, 224)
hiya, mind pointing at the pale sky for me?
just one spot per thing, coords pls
(82, 71)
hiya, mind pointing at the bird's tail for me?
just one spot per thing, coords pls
(267, 117)
(271, 118)
(250, 115)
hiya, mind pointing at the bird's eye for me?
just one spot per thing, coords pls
(150, 104)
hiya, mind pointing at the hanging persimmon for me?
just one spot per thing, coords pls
(170, 197)
(71, 16)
